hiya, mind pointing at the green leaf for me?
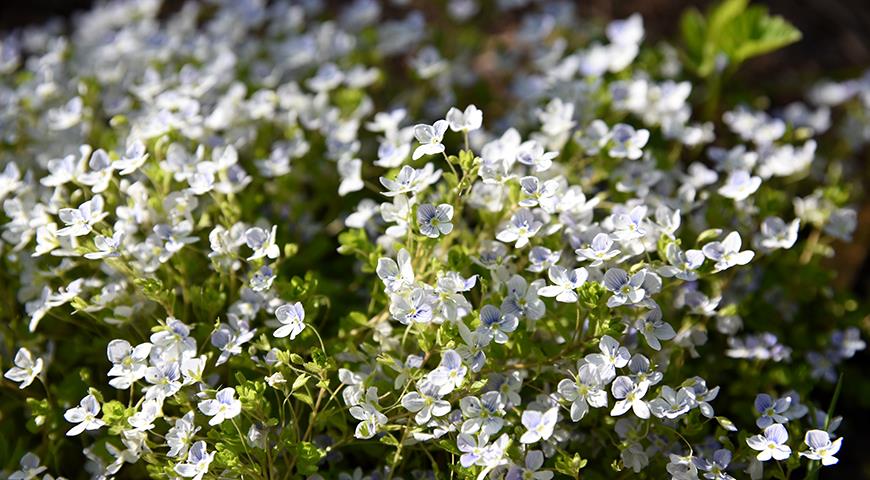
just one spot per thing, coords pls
(307, 456)
(755, 33)
(300, 382)
(569, 465)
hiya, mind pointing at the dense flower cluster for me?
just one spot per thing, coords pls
(548, 258)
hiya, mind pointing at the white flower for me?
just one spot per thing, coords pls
(223, 407)
(599, 251)
(180, 435)
(566, 282)
(522, 226)
(262, 242)
(631, 225)
(532, 153)
(450, 372)
(771, 444)
(134, 157)
(630, 395)
(584, 392)
(198, 461)
(727, 253)
(291, 316)
(430, 137)
(350, 170)
(107, 247)
(85, 416)
(426, 402)
(775, 233)
(467, 121)
(397, 276)
(821, 447)
(30, 468)
(612, 356)
(539, 425)
(26, 369)
(80, 221)
(411, 180)
(740, 185)
(128, 364)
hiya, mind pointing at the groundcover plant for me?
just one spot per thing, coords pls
(268, 240)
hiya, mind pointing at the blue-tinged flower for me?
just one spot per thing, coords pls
(642, 371)
(539, 425)
(469, 120)
(630, 396)
(654, 328)
(415, 307)
(473, 449)
(522, 299)
(683, 265)
(532, 154)
(224, 406)
(612, 356)
(426, 402)
(771, 444)
(672, 404)
(262, 279)
(292, 319)
(30, 468)
(26, 369)
(532, 468)
(565, 283)
(107, 247)
(430, 137)
(482, 414)
(535, 191)
(129, 363)
(229, 337)
(599, 251)
(498, 325)
(626, 142)
(435, 221)
(371, 420)
(411, 180)
(727, 253)
(715, 469)
(703, 397)
(85, 416)
(522, 226)
(821, 447)
(771, 410)
(181, 434)
(397, 275)
(165, 381)
(450, 372)
(542, 258)
(775, 233)
(198, 461)
(473, 352)
(626, 290)
(134, 157)
(631, 225)
(262, 242)
(583, 392)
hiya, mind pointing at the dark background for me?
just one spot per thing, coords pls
(835, 44)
